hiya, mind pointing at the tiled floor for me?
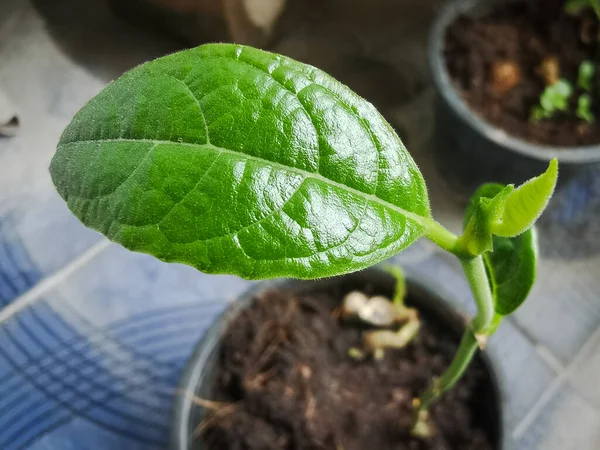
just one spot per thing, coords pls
(93, 338)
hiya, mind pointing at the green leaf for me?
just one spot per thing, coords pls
(584, 108)
(496, 322)
(556, 97)
(511, 270)
(511, 262)
(235, 160)
(586, 75)
(485, 207)
(526, 203)
(538, 113)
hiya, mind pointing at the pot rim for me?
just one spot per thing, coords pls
(437, 294)
(441, 79)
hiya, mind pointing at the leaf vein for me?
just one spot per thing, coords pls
(197, 101)
(421, 220)
(210, 166)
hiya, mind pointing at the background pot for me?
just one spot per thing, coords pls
(198, 21)
(471, 151)
(198, 374)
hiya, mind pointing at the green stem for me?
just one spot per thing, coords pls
(478, 280)
(474, 336)
(441, 236)
(462, 359)
(475, 272)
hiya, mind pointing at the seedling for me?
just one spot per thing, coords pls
(554, 98)
(239, 161)
(585, 81)
(584, 108)
(585, 77)
(381, 312)
(556, 95)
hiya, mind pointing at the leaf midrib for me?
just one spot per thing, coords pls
(421, 220)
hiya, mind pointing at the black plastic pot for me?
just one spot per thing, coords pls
(471, 151)
(198, 375)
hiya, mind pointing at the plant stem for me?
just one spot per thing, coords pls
(475, 336)
(475, 272)
(478, 280)
(441, 236)
(462, 359)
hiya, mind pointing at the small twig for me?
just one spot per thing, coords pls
(215, 417)
(209, 404)
(218, 410)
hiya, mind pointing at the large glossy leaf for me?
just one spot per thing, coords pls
(235, 160)
(511, 263)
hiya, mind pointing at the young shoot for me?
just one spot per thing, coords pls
(554, 98)
(585, 80)
(585, 77)
(239, 161)
(584, 108)
(381, 312)
(400, 289)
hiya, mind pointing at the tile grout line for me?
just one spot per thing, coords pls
(537, 407)
(48, 283)
(582, 352)
(544, 352)
(563, 376)
(549, 358)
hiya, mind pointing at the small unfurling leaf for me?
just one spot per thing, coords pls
(554, 98)
(510, 261)
(526, 203)
(586, 75)
(584, 108)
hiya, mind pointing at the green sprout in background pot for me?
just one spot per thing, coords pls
(585, 77)
(238, 161)
(585, 80)
(557, 94)
(554, 98)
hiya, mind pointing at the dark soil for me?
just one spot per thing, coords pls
(286, 381)
(524, 33)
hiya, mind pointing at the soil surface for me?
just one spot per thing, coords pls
(495, 61)
(285, 381)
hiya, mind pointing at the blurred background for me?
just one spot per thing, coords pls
(93, 338)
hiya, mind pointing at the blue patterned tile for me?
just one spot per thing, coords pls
(107, 347)
(17, 272)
